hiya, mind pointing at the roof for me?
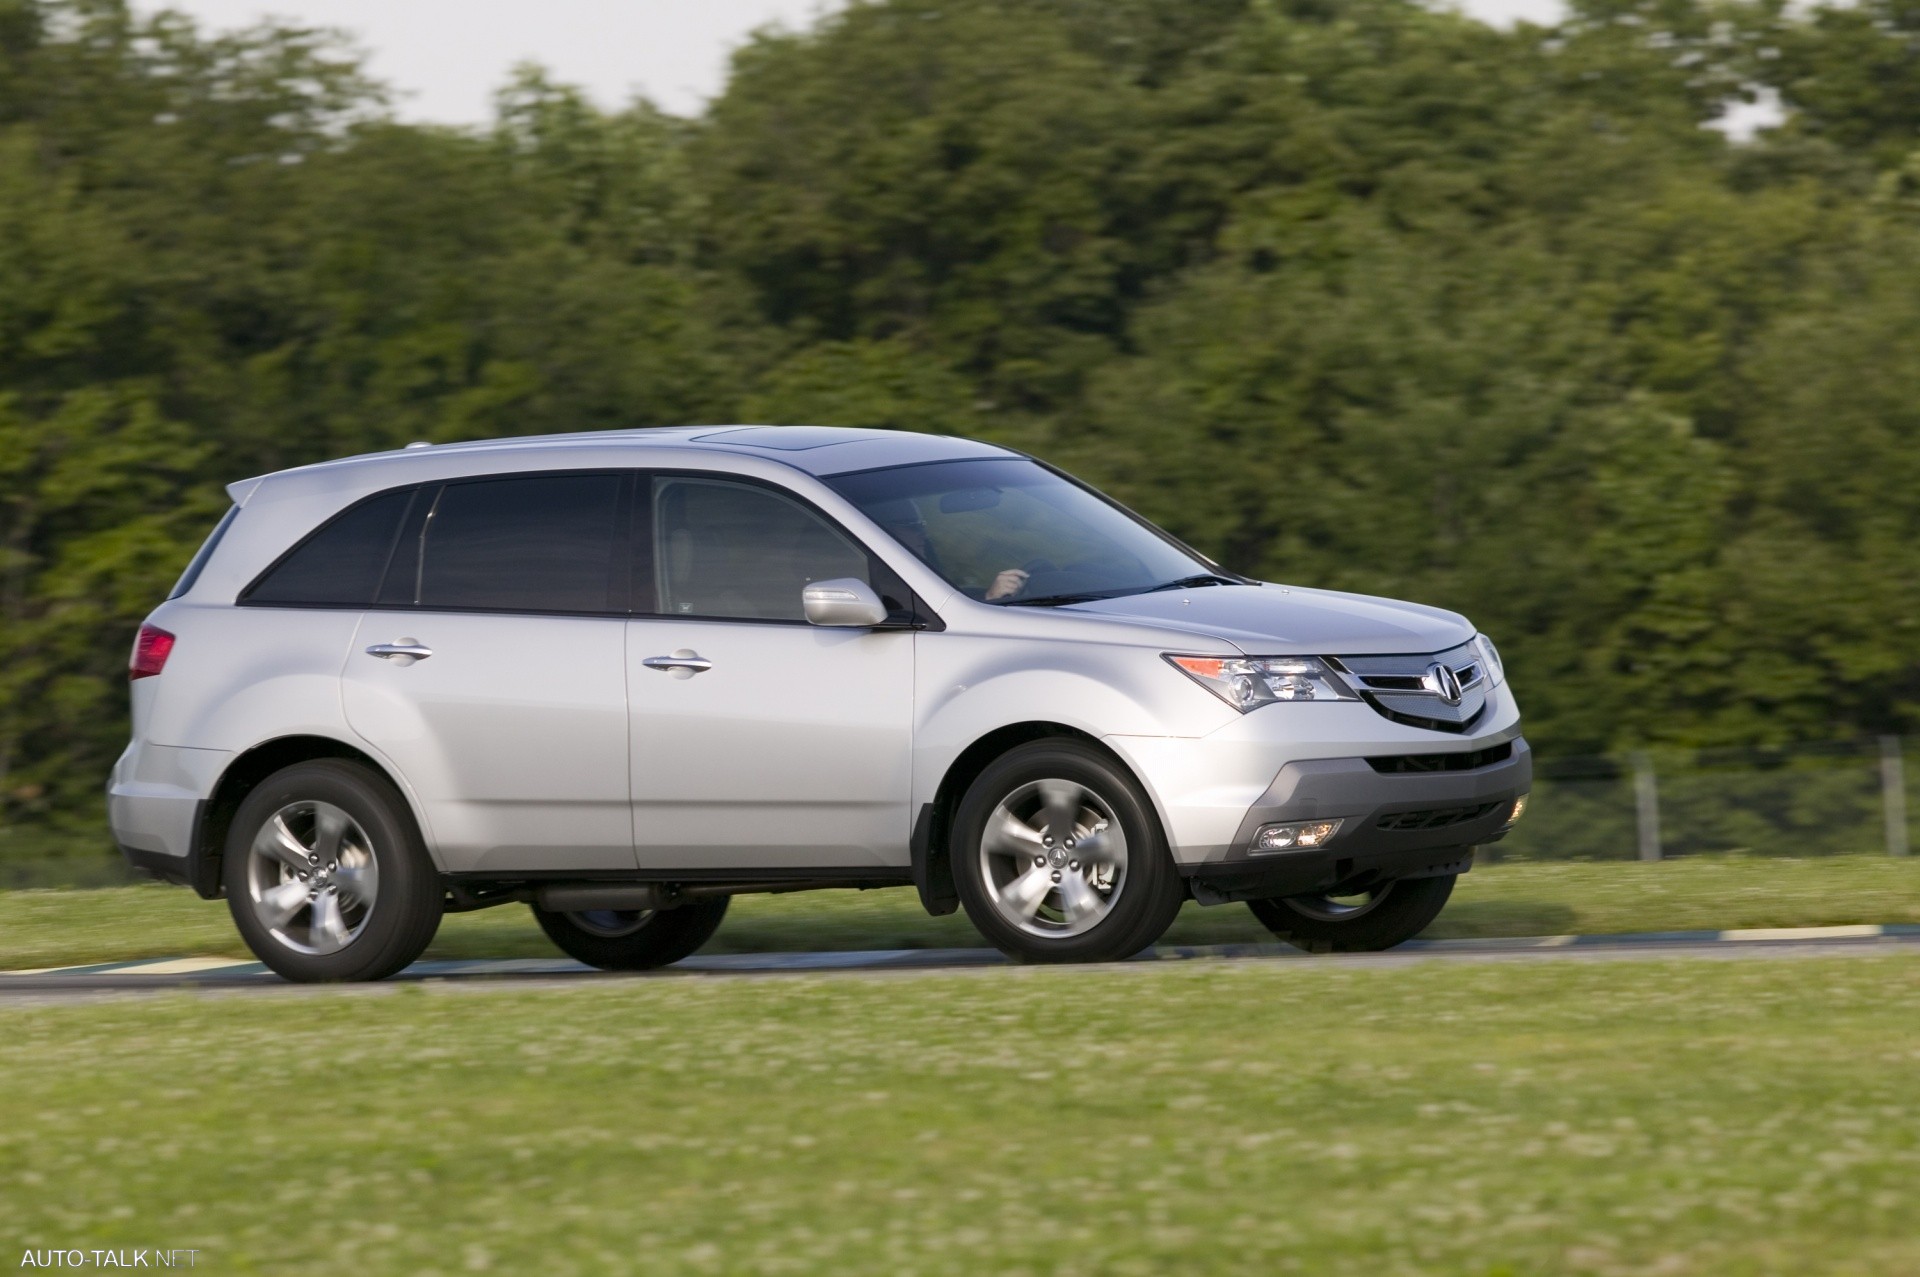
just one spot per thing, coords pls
(816, 450)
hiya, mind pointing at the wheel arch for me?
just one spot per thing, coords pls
(243, 774)
(932, 863)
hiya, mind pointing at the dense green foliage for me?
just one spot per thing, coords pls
(1348, 293)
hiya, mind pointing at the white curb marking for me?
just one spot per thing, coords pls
(1805, 933)
(185, 966)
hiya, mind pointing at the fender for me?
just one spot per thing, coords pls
(977, 699)
(213, 815)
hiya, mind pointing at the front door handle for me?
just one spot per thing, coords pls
(412, 648)
(684, 663)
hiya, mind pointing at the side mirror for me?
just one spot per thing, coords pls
(846, 602)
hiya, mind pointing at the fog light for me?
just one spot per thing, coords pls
(1305, 835)
(1519, 810)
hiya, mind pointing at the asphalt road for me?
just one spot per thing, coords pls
(232, 975)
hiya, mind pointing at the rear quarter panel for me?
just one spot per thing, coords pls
(239, 676)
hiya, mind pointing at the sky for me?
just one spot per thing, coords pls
(445, 58)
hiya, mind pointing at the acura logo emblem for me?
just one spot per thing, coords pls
(1442, 682)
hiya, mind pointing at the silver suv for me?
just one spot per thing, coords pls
(623, 677)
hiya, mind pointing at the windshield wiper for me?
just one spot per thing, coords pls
(1093, 596)
(1058, 600)
(1192, 582)
(1184, 583)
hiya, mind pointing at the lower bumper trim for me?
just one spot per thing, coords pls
(1322, 871)
(199, 868)
(177, 870)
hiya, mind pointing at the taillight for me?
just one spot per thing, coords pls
(150, 652)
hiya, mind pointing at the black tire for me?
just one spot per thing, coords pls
(405, 898)
(1138, 908)
(634, 940)
(1393, 915)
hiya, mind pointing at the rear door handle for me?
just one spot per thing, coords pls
(684, 663)
(405, 647)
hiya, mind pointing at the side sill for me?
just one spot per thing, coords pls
(802, 880)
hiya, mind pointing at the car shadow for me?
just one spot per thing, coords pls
(1473, 919)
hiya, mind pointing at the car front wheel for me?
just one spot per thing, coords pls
(1386, 915)
(1058, 858)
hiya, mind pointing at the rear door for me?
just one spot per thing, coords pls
(492, 673)
(777, 745)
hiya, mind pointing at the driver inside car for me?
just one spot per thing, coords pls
(902, 520)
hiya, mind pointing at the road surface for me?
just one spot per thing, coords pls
(230, 974)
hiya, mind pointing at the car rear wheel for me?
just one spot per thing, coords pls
(326, 876)
(634, 939)
(1368, 922)
(1058, 858)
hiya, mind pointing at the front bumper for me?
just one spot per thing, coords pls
(1210, 790)
(1389, 812)
(1394, 825)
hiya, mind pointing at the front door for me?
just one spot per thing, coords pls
(495, 675)
(761, 742)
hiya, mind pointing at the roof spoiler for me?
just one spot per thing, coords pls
(242, 490)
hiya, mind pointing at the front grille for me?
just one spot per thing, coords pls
(1470, 760)
(1437, 819)
(1413, 689)
(1468, 675)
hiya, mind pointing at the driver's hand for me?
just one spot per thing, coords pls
(1007, 584)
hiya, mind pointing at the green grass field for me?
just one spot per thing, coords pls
(52, 928)
(1621, 1117)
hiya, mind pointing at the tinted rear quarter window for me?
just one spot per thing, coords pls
(539, 543)
(341, 564)
(205, 552)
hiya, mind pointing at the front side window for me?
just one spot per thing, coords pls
(740, 552)
(532, 543)
(1011, 531)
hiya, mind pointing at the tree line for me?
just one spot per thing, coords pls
(1348, 293)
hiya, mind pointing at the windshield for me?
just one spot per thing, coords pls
(1010, 531)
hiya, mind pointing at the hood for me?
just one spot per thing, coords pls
(1286, 620)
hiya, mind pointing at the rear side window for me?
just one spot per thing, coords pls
(341, 564)
(207, 548)
(536, 543)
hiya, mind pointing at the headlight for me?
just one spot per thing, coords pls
(1248, 682)
(1496, 672)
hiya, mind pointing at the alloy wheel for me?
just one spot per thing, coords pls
(1054, 858)
(312, 878)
